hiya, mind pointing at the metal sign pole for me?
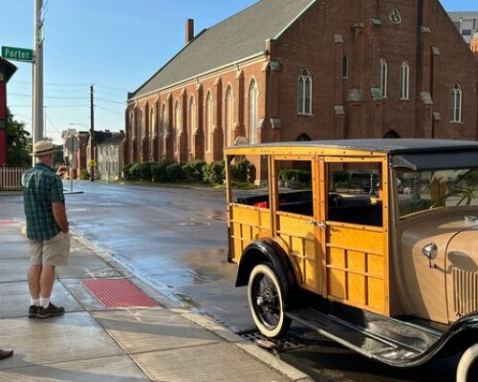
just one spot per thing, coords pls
(38, 74)
(71, 163)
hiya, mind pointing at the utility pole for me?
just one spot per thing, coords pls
(44, 122)
(92, 135)
(37, 130)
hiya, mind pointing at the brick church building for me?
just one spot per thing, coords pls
(286, 70)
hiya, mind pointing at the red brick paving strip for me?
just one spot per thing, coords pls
(118, 293)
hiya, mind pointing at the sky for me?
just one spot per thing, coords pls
(115, 45)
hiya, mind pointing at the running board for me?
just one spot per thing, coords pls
(387, 340)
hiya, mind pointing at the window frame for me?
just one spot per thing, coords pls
(229, 115)
(345, 67)
(253, 111)
(304, 85)
(456, 107)
(384, 77)
(208, 121)
(405, 81)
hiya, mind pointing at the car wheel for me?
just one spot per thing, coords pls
(468, 366)
(267, 302)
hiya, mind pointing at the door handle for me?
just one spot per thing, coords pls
(319, 224)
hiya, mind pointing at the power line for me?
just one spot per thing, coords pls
(110, 101)
(106, 109)
(52, 97)
(111, 87)
(29, 106)
(53, 125)
(50, 83)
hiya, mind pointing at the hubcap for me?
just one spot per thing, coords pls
(266, 297)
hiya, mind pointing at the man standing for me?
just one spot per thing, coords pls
(47, 230)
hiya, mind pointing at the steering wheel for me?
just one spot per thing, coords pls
(466, 195)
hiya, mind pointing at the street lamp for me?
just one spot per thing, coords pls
(92, 150)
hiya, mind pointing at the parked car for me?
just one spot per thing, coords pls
(393, 275)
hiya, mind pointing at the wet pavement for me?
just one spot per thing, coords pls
(176, 240)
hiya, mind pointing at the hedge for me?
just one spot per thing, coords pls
(159, 171)
(194, 170)
(214, 172)
(301, 176)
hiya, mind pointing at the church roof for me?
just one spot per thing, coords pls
(240, 36)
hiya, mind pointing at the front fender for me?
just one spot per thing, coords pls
(265, 251)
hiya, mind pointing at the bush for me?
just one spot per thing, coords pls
(175, 173)
(214, 172)
(127, 175)
(134, 171)
(84, 174)
(243, 171)
(142, 171)
(159, 171)
(301, 176)
(194, 171)
(341, 176)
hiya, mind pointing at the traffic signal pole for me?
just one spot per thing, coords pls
(37, 128)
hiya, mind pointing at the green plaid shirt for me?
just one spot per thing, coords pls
(41, 188)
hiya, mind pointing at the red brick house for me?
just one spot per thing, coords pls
(6, 71)
(284, 70)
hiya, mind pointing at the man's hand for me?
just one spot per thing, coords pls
(62, 170)
(59, 214)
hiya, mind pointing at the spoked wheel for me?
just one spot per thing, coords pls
(266, 300)
(468, 366)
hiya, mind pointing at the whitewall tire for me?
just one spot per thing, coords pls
(267, 302)
(468, 366)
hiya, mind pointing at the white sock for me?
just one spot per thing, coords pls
(44, 302)
(35, 301)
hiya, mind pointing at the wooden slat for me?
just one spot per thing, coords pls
(11, 178)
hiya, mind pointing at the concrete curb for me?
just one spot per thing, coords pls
(199, 319)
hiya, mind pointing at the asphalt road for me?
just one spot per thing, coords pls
(176, 239)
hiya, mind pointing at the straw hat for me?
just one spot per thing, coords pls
(42, 148)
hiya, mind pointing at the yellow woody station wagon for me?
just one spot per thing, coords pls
(372, 243)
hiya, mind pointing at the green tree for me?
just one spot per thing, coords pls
(18, 143)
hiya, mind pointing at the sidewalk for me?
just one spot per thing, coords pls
(103, 338)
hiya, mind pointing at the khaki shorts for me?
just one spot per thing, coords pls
(54, 252)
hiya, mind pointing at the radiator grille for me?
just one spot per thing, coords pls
(465, 291)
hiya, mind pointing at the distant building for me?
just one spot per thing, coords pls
(82, 164)
(99, 137)
(6, 72)
(474, 45)
(110, 157)
(466, 23)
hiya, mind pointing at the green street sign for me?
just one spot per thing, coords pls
(17, 54)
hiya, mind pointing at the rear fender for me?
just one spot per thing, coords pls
(266, 251)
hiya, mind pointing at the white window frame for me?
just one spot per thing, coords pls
(229, 115)
(164, 121)
(253, 111)
(405, 81)
(208, 124)
(345, 67)
(304, 84)
(456, 107)
(384, 77)
(192, 123)
(177, 124)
